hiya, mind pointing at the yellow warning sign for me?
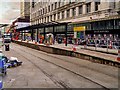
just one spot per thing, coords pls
(81, 28)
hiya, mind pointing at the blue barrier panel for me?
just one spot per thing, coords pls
(1, 83)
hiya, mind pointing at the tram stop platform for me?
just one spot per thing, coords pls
(100, 55)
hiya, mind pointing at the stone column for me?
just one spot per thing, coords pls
(49, 19)
(60, 15)
(56, 16)
(71, 14)
(77, 11)
(93, 6)
(65, 13)
(53, 17)
(84, 9)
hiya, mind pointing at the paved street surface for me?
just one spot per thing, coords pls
(43, 70)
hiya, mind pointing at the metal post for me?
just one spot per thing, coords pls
(85, 40)
(32, 35)
(24, 35)
(53, 35)
(44, 33)
(66, 34)
(37, 36)
(95, 44)
(21, 35)
(107, 44)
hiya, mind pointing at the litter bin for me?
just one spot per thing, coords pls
(6, 47)
(59, 40)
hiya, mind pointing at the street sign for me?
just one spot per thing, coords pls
(81, 28)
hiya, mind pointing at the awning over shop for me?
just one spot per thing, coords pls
(42, 25)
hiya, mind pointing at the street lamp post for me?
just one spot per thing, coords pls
(107, 44)
(66, 34)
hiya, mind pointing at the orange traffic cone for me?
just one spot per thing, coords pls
(110, 45)
(118, 58)
(35, 42)
(74, 48)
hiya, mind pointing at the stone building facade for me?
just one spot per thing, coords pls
(101, 18)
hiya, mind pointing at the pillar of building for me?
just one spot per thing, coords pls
(71, 14)
(84, 9)
(93, 6)
(53, 17)
(46, 19)
(49, 19)
(77, 11)
(65, 13)
(56, 16)
(60, 15)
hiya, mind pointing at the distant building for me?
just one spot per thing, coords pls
(25, 9)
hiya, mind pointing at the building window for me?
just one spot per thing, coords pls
(33, 3)
(70, 1)
(68, 13)
(88, 7)
(42, 20)
(80, 9)
(50, 17)
(47, 18)
(52, 7)
(62, 14)
(58, 4)
(39, 13)
(59, 15)
(54, 16)
(96, 5)
(55, 5)
(73, 11)
(43, 11)
(48, 8)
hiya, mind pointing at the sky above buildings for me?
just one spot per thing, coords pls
(9, 11)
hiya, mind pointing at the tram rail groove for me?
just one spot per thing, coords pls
(64, 69)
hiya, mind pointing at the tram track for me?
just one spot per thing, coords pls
(68, 61)
(55, 81)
